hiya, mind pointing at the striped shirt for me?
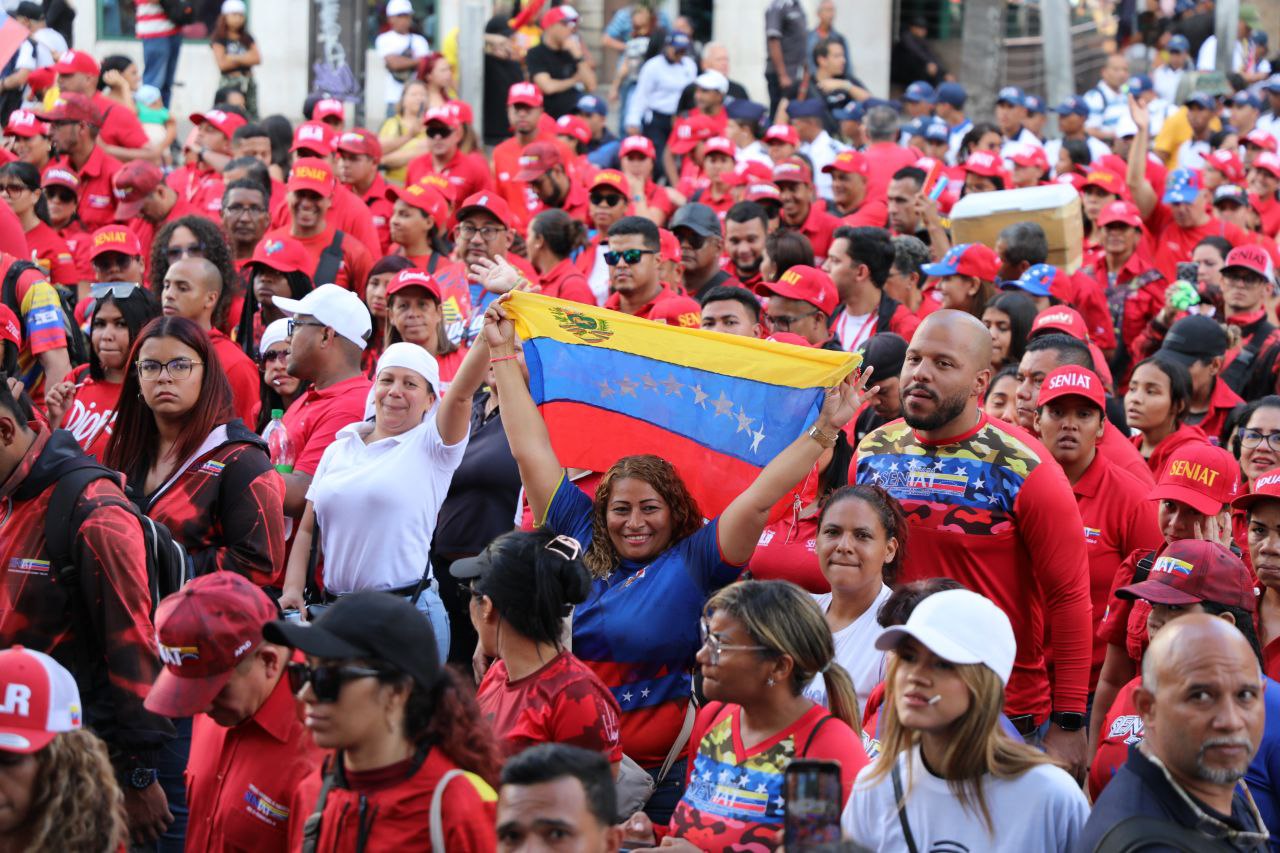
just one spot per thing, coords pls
(152, 22)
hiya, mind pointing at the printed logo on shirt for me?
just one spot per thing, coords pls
(1091, 535)
(937, 481)
(636, 577)
(766, 536)
(212, 467)
(98, 200)
(177, 655)
(1173, 566)
(28, 566)
(264, 808)
(1128, 727)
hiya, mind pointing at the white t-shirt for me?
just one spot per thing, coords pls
(1191, 153)
(855, 651)
(1042, 811)
(598, 281)
(852, 330)
(394, 43)
(376, 504)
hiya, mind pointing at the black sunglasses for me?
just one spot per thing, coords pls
(631, 256)
(326, 681)
(439, 131)
(607, 199)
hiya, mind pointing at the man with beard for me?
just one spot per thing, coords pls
(988, 509)
(633, 276)
(746, 226)
(543, 169)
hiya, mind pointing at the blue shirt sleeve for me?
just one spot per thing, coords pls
(620, 24)
(569, 512)
(702, 559)
(1263, 775)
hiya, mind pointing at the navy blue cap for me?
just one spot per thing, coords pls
(744, 110)
(1011, 95)
(807, 109)
(1178, 44)
(1245, 98)
(915, 127)
(1074, 105)
(678, 40)
(1203, 100)
(1182, 6)
(872, 103)
(1140, 84)
(1034, 104)
(593, 104)
(853, 111)
(1258, 37)
(920, 91)
(951, 93)
(937, 131)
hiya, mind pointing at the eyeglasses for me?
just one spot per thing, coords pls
(234, 210)
(274, 355)
(783, 322)
(1249, 282)
(712, 644)
(631, 256)
(13, 189)
(439, 131)
(694, 240)
(464, 233)
(177, 368)
(1252, 438)
(177, 253)
(326, 681)
(606, 199)
(294, 324)
(118, 289)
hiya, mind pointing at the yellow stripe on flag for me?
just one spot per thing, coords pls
(538, 316)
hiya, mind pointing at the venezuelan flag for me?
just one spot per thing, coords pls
(717, 406)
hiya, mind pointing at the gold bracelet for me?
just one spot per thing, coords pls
(827, 440)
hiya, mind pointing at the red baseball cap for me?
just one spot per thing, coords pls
(71, 106)
(115, 238)
(311, 173)
(1266, 487)
(1074, 179)
(328, 108)
(782, 133)
(1268, 161)
(41, 700)
(203, 632)
(1105, 180)
(984, 163)
(792, 171)
(424, 197)
(9, 328)
(1072, 381)
(227, 123)
(1251, 258)
(669, 246)
(690, 131)
(637, 145)
(283, 254)
(559, 15)
(488, 201)
(1191, 571)
(1200, 475)
(537, 159)
(77, 62)
(610, 179)
(59, 177)
(1260, 139)
(575, 127)
(1228, 164)
(1060, 318)
(414, 278)
(1122, 211)
(764, 192)
(314, 136)
(973, 259)
(24, 123)
(462, 110)
(442, 115)
(789, 338)
(1030, 155)
(360, 141)
(852, 162)
(719, 145)
(755, 170)
(136, 180)
(526, 94)
(804, 284)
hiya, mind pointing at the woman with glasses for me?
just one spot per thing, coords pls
(1253, 433)
(381, 274)
(413, 760)
(653, 559)
(763, 641)
(523, 586)
(190, 463)
(20, 189)
(195, 236)
(281, 266)
(553, 236)
(86, 404)
(606, 204)
(415, 315)
(279, 389)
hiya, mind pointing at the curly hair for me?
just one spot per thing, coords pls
(77, 804)
(447, 716)
(215, 251)
(686, 518)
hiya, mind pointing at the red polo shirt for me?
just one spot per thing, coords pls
(380, 207)
(243, 782)
(506, 165)
(346, 213)
(818, 226)
(52, 254)
(242, 373)
(1140, 286)
(467, 174)
(120, 126)
(353, 272)
(316, 416)
(1176, 243)
(873, 212)
(666, 307)
(563, 281)
(1221, 401)
(200, 187)
(1117, 447)
(97, 200)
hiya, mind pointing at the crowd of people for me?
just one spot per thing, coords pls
(293, 560)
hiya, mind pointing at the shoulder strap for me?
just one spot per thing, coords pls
(311, 829)
(884, 315)
(1140, 832)
(813, 732)
(1143, 570)
(1237, 371)
(330, 261)
(901, 806)
(432, 263)
(437, 809)
(62, 521)
(681, 740)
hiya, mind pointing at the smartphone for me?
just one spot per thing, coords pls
(811, 822)
(1188, 271)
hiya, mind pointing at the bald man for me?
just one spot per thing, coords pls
(989, 507)
(194, 289)
(1202, 709)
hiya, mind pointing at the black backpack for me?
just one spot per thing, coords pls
(77, 347)
(180, 12)
(169, 566)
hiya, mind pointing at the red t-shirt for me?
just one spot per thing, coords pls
(200, 188)
(1170, 444)
(1117, 447)
(380, 208)
(818, 226)
(563, 702)
(93, 412)
(97, 199)
(242, 373)
(563, 281)
(316, 416)
(52, 254)
(243, 782)
(466, 173)
(1121, 727)
(12, 240)
(1175, 243)
(666, 307)
(79, 241)
(506, 165)
(873, 212)
(120, 125)
(786, 552)
(353, 272)
(883, 159)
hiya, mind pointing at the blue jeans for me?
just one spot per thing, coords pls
(430, 605)
(160, 63)
(662, 802)
(171, 765)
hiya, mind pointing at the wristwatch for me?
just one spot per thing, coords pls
(827, 440)
(1068, 721)
(141, 778)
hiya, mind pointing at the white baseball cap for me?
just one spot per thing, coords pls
(337, 308)
(399, 7)
(276, 332)
(712, 81)
(959, 626)
(234, 7)
(38, 700)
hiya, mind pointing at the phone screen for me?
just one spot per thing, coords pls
(813, 806)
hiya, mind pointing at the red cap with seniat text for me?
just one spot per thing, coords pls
(115, 238)
(804, 283)
(41, 700)
(1072, 381)
(984, 163)
(1200, 475)
(311, 173)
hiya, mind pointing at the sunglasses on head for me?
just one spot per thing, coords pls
(631, 256)
(118, 289)
(326, 680)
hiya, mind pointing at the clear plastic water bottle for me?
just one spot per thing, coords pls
(278, 442)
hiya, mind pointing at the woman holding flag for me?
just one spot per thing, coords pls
(655, 563)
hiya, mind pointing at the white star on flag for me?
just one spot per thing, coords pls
(756, 438)
(699, 396)
(626, 697)
(644, 694)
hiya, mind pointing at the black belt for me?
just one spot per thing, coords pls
(406, 591)
(1025, 724)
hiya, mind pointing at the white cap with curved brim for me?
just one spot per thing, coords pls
(336, 307)
(959, 626)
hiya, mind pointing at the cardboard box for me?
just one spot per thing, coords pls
(980, 217)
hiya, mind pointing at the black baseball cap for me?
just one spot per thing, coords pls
(697, 217)
(886, 352)
(373, 626)
(1195, 338)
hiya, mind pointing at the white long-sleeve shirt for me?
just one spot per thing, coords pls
(658, 88)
